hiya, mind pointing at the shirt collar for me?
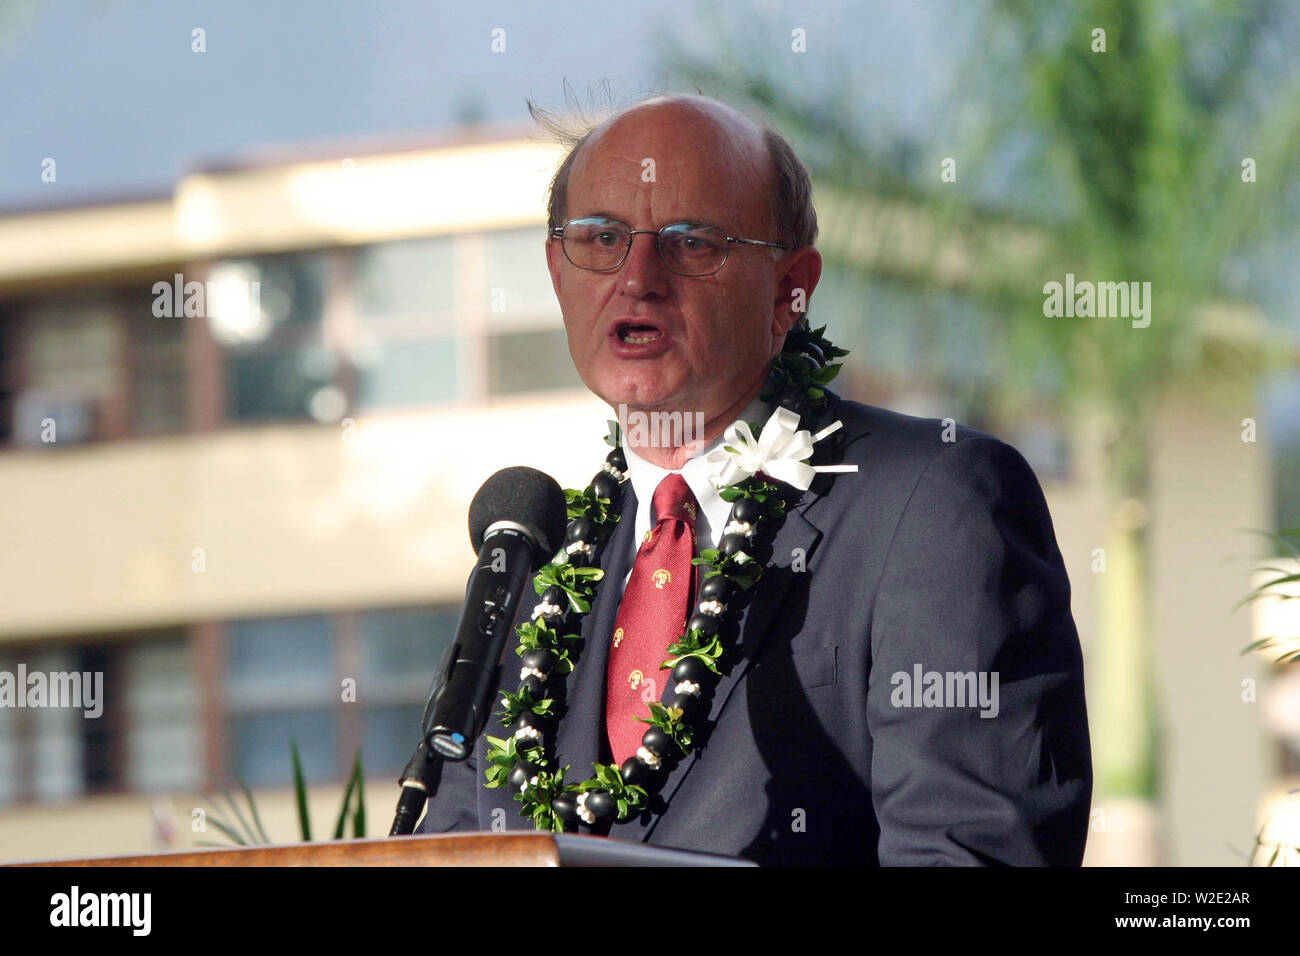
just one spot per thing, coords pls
(645, 477)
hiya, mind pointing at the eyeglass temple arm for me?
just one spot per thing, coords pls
(758, 242)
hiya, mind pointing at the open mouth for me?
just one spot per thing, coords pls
(638, 333)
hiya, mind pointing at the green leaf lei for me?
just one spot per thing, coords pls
(796, 380)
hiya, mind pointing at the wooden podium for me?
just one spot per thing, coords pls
(446, 849)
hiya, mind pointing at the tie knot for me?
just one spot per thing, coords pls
(674, 499)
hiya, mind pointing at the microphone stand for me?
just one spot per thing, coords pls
(419, 783)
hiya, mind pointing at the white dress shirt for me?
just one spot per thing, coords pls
(712, 515)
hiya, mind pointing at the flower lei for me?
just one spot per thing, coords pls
(548, 643)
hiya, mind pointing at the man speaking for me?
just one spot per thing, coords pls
(807, 630)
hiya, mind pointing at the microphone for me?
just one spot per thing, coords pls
(516, 524)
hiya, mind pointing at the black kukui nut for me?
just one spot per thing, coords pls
(533, 685)
(540, 659)
(733, 543)
(581, 529)
(692, 669)
(526, 719)
(557, 596)
(601, 804)
(692, 707)
(814, 352)
(565, 806)
(746, 509)
(523, 772)
(658, 741)
(604, 485)
(706, 624)
(717, 588)
(553, 619)
(634, 772)
(617, 459)
(794, 400)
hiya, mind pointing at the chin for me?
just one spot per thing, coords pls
(636, 388)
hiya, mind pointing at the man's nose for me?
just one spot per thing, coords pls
(643, 272)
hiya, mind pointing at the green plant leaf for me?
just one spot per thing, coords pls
(257, 819)
(300, 793)
(359, 818)
(244, 827)
(235, 837)
(342, 820)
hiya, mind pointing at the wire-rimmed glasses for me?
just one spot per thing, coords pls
(601, 244)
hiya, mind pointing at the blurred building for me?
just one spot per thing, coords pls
(242, 423)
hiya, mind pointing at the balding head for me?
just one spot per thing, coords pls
(753, 148)
(694, 134)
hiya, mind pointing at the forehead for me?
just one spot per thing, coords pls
(657, 165)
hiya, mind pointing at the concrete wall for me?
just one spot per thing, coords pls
(288, 518)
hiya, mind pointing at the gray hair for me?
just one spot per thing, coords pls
(793, 218)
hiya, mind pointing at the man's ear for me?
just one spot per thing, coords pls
(801, 270)
(554, 258)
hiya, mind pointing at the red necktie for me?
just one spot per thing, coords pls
(652, 615)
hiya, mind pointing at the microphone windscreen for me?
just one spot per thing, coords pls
(526, 496)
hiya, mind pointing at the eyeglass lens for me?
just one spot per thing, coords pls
(688, 249)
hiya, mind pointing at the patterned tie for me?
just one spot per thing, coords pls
(653, 615)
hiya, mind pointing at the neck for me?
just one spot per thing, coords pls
(674, 456)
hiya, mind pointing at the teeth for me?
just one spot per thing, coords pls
(640, 338)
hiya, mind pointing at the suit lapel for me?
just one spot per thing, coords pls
(578, 738)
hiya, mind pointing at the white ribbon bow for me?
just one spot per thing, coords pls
(779, 451)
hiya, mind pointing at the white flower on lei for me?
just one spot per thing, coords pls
(781, 451)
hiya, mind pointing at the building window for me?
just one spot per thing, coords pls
(300, 336)
(57, 755)
(145, 737)
(277, 360)
(285, 681)
(532, 361)
(92, 366)
(72, 348)
(411, 279)
(156, 372)
(400, 652)
(164, 739)
(280, 688)
(408, 373)
(406, 346)
(518, 282)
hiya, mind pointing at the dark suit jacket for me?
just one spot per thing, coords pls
(938, 554)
